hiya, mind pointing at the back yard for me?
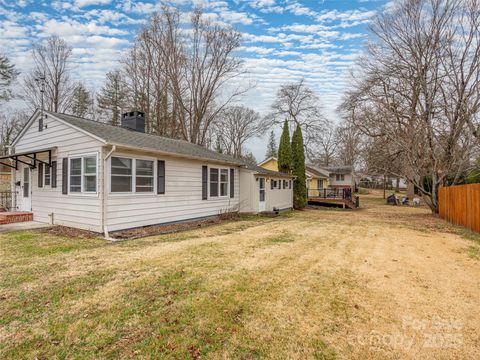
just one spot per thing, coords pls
(381, 282)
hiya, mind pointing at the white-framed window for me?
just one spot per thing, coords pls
(130, 175)
(218, 180)
(82, 177)
(340, 177)
(223, 182)
(47, 175)
(144, 175)
(121, 174)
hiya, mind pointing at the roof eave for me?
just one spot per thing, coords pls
(172, 154)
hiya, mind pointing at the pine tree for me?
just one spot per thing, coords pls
(113, 96)
(299, 184)
(82, 101)
(271, 147)
(7, 76)
(285, 151)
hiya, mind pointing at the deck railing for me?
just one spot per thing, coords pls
(6, 198)
(331, 193)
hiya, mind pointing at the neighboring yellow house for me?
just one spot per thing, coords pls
(270, 164)
(317, 179)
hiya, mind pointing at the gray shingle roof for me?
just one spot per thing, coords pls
(260, 170)
(317, 171)
(340, 169)
(120, 136)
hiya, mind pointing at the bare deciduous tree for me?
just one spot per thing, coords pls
(297, 103)
(235, 126)
(52, 62)
(323, 148)
(179, 73)
(9, 127)
(402, 96)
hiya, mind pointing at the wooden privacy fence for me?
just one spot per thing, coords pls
(461, 205)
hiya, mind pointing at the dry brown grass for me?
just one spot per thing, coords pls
(381, 282)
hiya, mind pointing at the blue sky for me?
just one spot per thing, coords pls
(283, 40)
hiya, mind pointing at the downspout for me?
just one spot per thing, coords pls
(104, 194)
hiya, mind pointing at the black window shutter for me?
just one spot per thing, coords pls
(232, 183)
(65, 176)
(40, 175)
(54, 174)
(40, 123)
(160, 177)
(204, 182)
(271, 184)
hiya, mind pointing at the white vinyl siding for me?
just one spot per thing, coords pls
(77, 210)
(182, 199)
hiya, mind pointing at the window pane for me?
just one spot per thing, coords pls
(223, 189)
(144, 184)
(214, 175)
(76, 175)
(144, 167)
(121, 183)
(75, 166)
(90, 183)
(224, 175)
(213, 182)
(90, 165)
(47, 174)
(121, 166)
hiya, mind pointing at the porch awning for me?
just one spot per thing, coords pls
(28, 158)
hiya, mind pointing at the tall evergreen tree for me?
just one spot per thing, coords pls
(271, 147)
(82, 101)
(285, 151)
(7, 76)
(299, 184)
(113, 96)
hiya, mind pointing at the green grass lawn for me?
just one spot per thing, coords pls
(287, 287)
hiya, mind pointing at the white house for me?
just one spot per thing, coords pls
(90, 175)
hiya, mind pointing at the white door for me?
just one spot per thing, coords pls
(26, 189)
(261, 202)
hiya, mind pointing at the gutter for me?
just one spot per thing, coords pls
(104, 192)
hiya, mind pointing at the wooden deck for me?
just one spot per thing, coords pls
(341, 197)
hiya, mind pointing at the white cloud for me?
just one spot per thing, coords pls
(70, 27)
(83, 3)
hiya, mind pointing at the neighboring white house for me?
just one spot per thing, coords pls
(340, 176)
(90, 175)
(264, 190)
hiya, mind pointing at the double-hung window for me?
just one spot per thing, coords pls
(132, 175)
(121, 174)
(223, 182)
(213, 182)
(218, 182)
(90, 174)
(47, 175)
(143, 175)
(82, 176)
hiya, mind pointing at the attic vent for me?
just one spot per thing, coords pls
(134, 120)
